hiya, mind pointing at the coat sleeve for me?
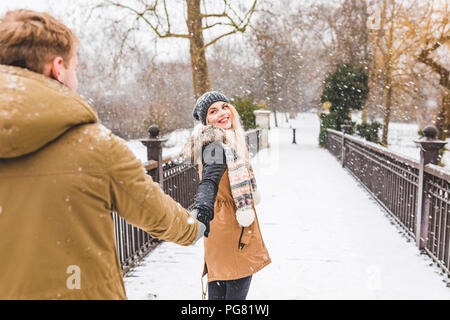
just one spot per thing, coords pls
(212, 170)
(142, 202)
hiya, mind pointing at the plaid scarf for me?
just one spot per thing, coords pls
(243, 186)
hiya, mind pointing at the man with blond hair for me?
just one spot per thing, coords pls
(62, 174)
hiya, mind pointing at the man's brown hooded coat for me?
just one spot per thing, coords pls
(61, 176)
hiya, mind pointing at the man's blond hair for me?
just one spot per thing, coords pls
(30, 39)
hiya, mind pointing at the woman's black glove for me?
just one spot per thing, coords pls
(214, 165)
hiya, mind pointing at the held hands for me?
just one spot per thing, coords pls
(203, 225)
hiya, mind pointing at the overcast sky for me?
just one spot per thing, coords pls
(29, 4)
(168, 49)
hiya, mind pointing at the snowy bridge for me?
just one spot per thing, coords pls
(327, 235)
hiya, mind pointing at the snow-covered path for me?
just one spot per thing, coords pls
(328, 239)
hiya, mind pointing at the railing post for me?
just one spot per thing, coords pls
(262, 120)
(154, 151)
(429, 153)
(345, 130)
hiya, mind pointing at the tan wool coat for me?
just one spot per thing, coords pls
(224, 260)
(61, 176)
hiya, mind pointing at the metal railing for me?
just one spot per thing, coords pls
(179, 180)
(132, 243)
(417, 199)
(254, 141)
(437, 215)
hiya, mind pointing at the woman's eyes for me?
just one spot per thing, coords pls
(215, 110)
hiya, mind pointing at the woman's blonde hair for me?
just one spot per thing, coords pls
(236, 136)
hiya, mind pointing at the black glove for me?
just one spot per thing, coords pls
(214, 165)
(204, 217)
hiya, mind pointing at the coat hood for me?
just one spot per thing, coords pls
(35, 110)
(200, 137)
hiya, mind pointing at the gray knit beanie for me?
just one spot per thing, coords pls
(204, 102)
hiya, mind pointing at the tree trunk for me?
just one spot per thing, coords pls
(388, 82)
(270, 89)
(200, 74)
(366, 57)
(275, 117)
(364, 114)
(387, 93)
(292, 113)
(443, 119)
(387, 110)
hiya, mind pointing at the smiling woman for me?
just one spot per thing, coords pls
(234, 250)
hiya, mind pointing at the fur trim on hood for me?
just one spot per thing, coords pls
(240, 173)
(201, 136)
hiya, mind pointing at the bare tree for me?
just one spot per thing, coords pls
(388, 51)
(430, 33)
(443, 120)
(408, 33)
(158, 16)
(279, 42)
(350, 28)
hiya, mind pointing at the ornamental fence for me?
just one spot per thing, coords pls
(415, 194)
(178, 179)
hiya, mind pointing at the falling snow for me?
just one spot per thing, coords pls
(344, 248)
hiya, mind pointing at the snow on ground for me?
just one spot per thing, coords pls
(328, 239)
(401, 139)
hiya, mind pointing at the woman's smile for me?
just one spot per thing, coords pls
(224, 120)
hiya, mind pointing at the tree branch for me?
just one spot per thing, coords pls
(218, 38)
(215, 24)
(237, 27)
(436, 67)
(213, 15)
(141, 15)
(167, 16)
